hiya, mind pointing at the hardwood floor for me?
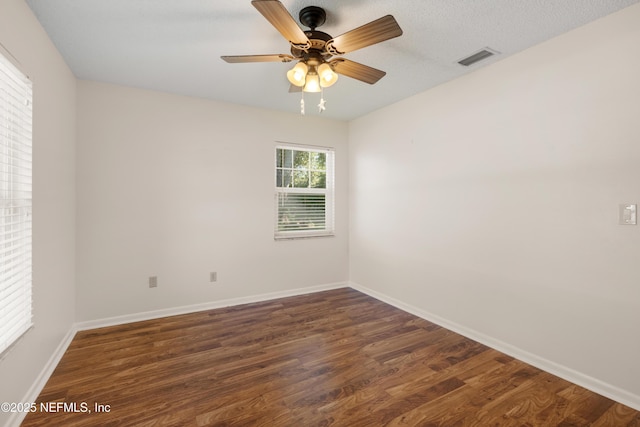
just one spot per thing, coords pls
(338, 358)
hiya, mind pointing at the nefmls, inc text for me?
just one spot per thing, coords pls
(77, 407)
(54, 406)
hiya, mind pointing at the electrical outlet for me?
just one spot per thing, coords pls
(153, 281)
(213, 276)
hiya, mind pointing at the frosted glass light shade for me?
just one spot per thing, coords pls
(312, 83)
(297, 75)
(327, 76)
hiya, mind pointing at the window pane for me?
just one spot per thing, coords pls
(279, 157)
(284, 158)
(301, 179)
(287, 180)
(318, 180)
(283, 178)
(288, 159)
(301, 160)
(318, 161)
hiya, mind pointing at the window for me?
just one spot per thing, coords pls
(15, 204)
(304, 191)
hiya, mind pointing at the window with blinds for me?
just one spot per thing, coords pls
(15, 203)
(304, 192)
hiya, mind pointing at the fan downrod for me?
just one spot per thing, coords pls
(312, 17)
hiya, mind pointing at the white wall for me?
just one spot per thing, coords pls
(54, 199)
(177, 187)
(492, 202)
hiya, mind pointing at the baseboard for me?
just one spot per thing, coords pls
(156, 314)
(32, 394)
(586, 381)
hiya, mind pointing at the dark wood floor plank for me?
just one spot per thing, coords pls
(335, 358)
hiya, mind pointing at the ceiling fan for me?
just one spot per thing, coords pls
(314, 50)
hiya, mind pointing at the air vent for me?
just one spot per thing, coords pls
(478, 56)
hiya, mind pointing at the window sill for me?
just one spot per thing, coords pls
(302, 236)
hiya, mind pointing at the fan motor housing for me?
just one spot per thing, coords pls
(318, 40)
(312, 16)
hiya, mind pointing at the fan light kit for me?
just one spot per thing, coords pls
(313, 50)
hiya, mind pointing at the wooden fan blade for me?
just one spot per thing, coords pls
(357, 71)
(374, 32)
(258, 58)
(280, 18)
(294, 89)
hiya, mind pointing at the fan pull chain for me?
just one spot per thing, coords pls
(302, 104)
(321, 106)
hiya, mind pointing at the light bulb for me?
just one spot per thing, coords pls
(327, 76)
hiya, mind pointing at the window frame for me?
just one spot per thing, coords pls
(328, 191)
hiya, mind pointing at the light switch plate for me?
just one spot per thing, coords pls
(628, 214)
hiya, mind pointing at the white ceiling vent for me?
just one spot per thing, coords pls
(478, 56)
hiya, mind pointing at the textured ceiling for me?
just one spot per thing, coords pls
(175, 45)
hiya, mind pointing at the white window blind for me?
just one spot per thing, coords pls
(15, 203)
(304, 191)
